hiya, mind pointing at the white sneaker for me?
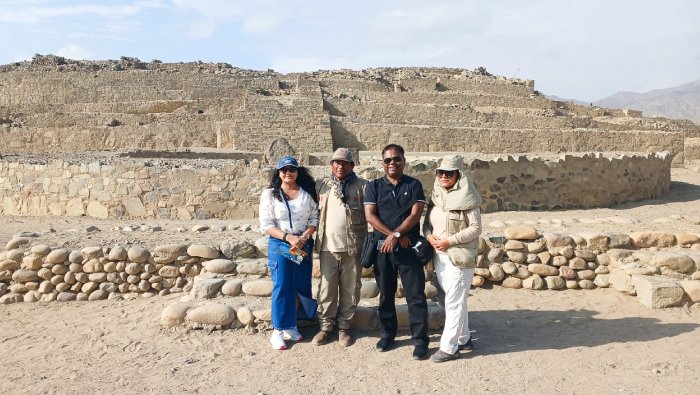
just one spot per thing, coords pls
(277, 340)
(293, 335)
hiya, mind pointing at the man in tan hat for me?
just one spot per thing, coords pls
(341, 232)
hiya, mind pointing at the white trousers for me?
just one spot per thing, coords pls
(455, 281)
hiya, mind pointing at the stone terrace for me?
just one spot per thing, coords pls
(60, 105)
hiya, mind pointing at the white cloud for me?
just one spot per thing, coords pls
(34, 12)
(203, 28)
(75, 51)
(261, 25)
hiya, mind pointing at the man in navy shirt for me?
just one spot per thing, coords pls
(385, 197)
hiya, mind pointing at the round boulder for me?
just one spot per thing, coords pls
(232, 288)
(202, 251)
(258, 288)
(169, 272)
(91, 252)
(245, 316)
(118, 253)
(555, 282)
(40, 249)
(512, 282)
(369, 290)
(57, 256)
(212, 314)
(261, 245)
(138, 254)
(75, 257)
(557, 240)
(174, 314)
(533, 282)
(677, 262)
(220, 266)
(32, 262)
(495, 255)
(25, 276)
(520, 232)
(16, 242)
(543, 270)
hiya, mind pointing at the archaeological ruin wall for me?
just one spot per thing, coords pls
(520, 258)
(52, 104)
(115, 187)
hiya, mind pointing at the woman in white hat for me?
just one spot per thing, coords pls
(453, 225)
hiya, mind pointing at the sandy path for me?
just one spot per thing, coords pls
(534, 342)
(527, 342)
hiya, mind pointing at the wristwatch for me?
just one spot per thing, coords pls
(397, 234)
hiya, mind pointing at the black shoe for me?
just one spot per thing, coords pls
(384, 344)
(420, 352)
(468, 346)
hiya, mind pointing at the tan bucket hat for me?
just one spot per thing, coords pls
(452, 162)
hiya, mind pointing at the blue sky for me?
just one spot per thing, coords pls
(581, 49)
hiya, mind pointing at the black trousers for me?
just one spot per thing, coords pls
(409, 268)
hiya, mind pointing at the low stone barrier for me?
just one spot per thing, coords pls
(660, 269)
(106, 186)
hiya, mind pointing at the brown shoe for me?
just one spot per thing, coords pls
(320, 338)
(344, 337)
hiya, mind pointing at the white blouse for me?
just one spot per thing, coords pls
(274, 212)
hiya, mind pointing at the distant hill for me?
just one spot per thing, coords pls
(678, 102)
(579, 102)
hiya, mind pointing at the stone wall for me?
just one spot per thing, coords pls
(52, 104)
(109, 186)
(660, 269)
(428, 138)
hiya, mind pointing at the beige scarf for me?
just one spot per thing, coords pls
(462, 196)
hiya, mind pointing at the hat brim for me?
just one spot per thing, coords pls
(447, 168)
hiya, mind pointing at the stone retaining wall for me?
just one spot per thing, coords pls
(112, 187)
(660, 269)
(52, 104)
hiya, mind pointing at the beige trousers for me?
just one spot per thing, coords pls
(339, 292)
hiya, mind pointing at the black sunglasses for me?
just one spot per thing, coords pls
(396, 159)
(288, 169)
(446, 173)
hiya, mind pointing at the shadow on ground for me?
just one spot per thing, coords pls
(678, 192)
(509, 331)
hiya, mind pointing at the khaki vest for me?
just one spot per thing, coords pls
(356, 221)
(462, 255)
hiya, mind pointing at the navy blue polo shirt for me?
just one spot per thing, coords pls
(389, 199)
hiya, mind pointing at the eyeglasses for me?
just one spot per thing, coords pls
(288, 169)
(396, 159)
(446, 173)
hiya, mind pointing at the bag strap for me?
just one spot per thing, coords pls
(289, 210)
(401, 211)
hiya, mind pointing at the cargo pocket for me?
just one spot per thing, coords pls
(272, 266)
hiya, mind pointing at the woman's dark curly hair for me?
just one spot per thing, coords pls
(304, 180)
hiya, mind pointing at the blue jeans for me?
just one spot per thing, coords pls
(289, 281)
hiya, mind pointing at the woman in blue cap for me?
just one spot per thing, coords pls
(289, 214)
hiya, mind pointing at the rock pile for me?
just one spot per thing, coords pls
(661, 269)
(41, 273)
(629, 263)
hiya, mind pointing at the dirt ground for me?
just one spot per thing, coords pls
(532, 342)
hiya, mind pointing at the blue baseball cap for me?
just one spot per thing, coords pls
(287, 161)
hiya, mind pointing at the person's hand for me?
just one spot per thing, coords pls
(404, 242)
(442, 244)
(389, 244)
(295, 242)
(432, 239)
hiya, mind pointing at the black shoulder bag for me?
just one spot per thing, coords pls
(369, 248)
